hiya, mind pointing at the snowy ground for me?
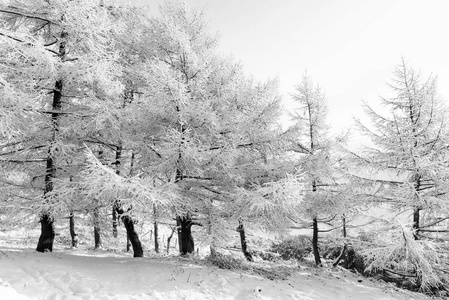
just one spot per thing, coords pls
(88, 274)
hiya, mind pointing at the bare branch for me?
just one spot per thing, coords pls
(434, 223)
(28, 16)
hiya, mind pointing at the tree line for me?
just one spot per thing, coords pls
(110, 112)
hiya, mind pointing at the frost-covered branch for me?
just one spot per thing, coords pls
(102, 182)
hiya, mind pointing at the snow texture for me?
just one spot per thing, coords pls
(105, 275)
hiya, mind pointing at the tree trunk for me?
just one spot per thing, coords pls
(127, 220)
(416, 208)
(156, 229)
(131, 233)
(213, 251)
(156, 237)
(133, 236)
(343, 250)
(47, 234)
(315, 247)
(97, 238)
(342, 254)
(245, 251)
(96, 213)
(128, 243)
(73, 234)
(97, 231)
(114, 221)
(116, 205)
(416, 223)
(186, 243)
(169, 239)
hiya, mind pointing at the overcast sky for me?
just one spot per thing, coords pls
(349, 47)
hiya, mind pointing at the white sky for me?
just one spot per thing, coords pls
(349, 47)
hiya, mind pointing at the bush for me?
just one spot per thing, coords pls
(278, 273)
(228, 262)
(266, 255)
(293, 248)
(225, 262)
(351, 260)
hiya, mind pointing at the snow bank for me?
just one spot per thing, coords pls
(88, 275)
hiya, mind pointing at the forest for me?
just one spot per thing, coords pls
(115, 118)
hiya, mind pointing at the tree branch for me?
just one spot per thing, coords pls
(24, 42)
(400, 274)
(432, 230)
(28, 16)
(434, 223)
(24, 160)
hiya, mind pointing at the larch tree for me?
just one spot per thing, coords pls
(409, 163)
(322, 200)
(202, 125)
(261, 197)
(114, 129)
(184, 49)
(164, 126)
(57, 62)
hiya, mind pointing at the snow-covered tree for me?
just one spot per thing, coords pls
(200, 124)
(57, 62)
(409, 164)
(323, 198)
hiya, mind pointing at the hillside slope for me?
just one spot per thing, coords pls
(87, 274)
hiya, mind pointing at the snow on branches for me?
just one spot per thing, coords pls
(102, 182)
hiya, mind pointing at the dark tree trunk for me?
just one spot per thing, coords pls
(343, 219)
(133, 236)
(245, 251)
(156, 237)
(96, 214)
(156, 229)
(97, 237)
(47, 236)
(128, 243)
(116, 205)
(97, 231)
(416, 211)
(73, 234)
(114, 221)
(186, 243)
(315, 247)
(131, 233)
